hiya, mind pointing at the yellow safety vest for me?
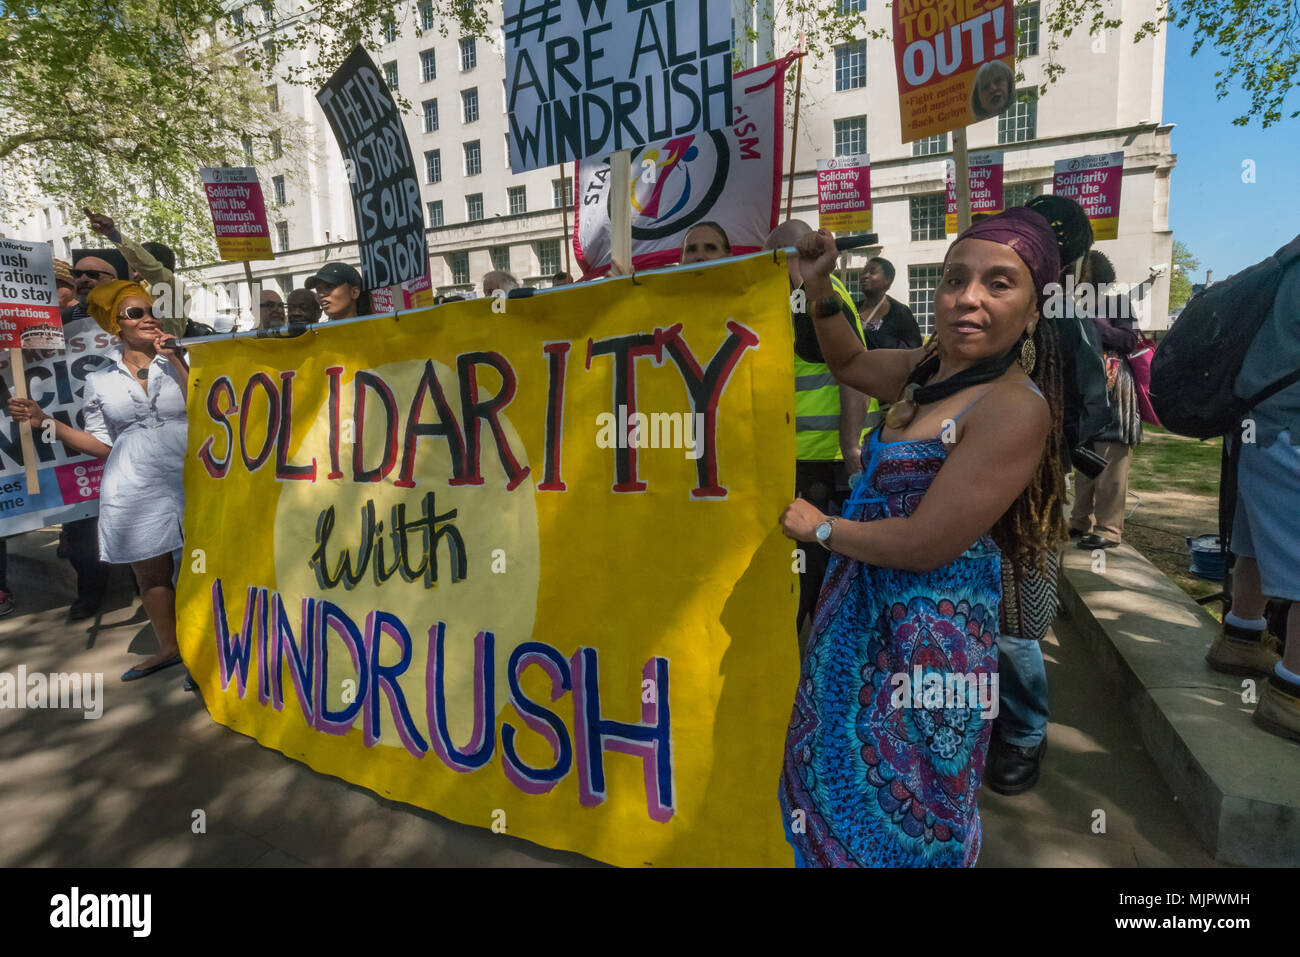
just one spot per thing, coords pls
(817, 400)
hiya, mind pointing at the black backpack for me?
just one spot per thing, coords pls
(1197, 363)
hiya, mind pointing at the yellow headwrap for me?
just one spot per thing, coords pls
(105, 302)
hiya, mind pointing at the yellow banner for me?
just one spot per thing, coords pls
(521, 569)
(244, 248)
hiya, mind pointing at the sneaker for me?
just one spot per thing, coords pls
(1240, 651)
(6, 602)
(1278, 711)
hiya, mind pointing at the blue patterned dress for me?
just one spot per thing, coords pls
(880, 785)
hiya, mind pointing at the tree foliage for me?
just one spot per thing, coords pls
(1182, 276)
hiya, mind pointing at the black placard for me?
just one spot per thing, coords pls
(381, 172)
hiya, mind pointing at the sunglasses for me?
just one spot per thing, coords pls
(90, 273)
(135, 313)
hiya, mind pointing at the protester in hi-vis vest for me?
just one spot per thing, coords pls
(829, 420)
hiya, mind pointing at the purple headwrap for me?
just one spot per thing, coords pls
(1030, 237)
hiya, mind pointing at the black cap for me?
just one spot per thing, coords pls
(332, 274)
(110, 256)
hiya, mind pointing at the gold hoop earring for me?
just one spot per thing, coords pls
(1028, 354)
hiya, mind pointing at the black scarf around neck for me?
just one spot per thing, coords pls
(985, 371)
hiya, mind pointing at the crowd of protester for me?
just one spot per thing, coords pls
(929, 499)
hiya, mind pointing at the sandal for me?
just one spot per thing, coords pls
(137, 673)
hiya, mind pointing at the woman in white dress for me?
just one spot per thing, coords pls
(135, 418)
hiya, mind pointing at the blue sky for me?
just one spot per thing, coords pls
(1227, 224)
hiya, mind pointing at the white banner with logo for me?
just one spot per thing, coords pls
(725, 176)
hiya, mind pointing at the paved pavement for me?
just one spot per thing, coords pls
(123, 789)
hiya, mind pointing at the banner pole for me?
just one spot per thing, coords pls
(25, 428)
(253, 304)
(564, 212)
(961, 160)
(794, 138)
(620, 209)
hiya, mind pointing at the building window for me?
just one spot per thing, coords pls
(473, 207)
(500, 258)
(428, 66)
(239, 18)
(851, 136)
(922, 281)
(282, 236)
(458, 263)
(562, 192)
(853, 283)
(468, 55)
(548, 257)
(273, 96)
(433, 166)
(851, 65)
(1017, 194)
(473, 159)
(1026, 30)
(927, 216)
(469, 105)
(277, 146)
(390, 32)
(930, 145)
(49, 218)
(518, 200)
(852, 6)
(435, 213)
(277, 184)
(1020, 121)
(248, 149)
(430, 116)
(390, 74)
(426, 15)
(268, 51)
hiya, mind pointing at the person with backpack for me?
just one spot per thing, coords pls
(1265, 530)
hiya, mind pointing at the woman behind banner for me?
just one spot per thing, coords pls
(135, 418)
(897, 691)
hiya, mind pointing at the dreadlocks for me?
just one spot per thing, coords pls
(1034, 526)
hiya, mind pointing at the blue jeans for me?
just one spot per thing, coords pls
(1022, 692)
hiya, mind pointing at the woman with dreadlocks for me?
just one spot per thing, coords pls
(893, 710)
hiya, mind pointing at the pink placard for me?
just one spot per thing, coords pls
(79, 481)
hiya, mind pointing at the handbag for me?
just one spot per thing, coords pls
(1030, 599)
(1139, 363)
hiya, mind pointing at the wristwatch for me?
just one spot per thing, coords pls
(827, 306)
(823, 532)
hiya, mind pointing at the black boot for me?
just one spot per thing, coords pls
(1013, 769)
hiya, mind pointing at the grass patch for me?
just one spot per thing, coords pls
(1165, 462)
